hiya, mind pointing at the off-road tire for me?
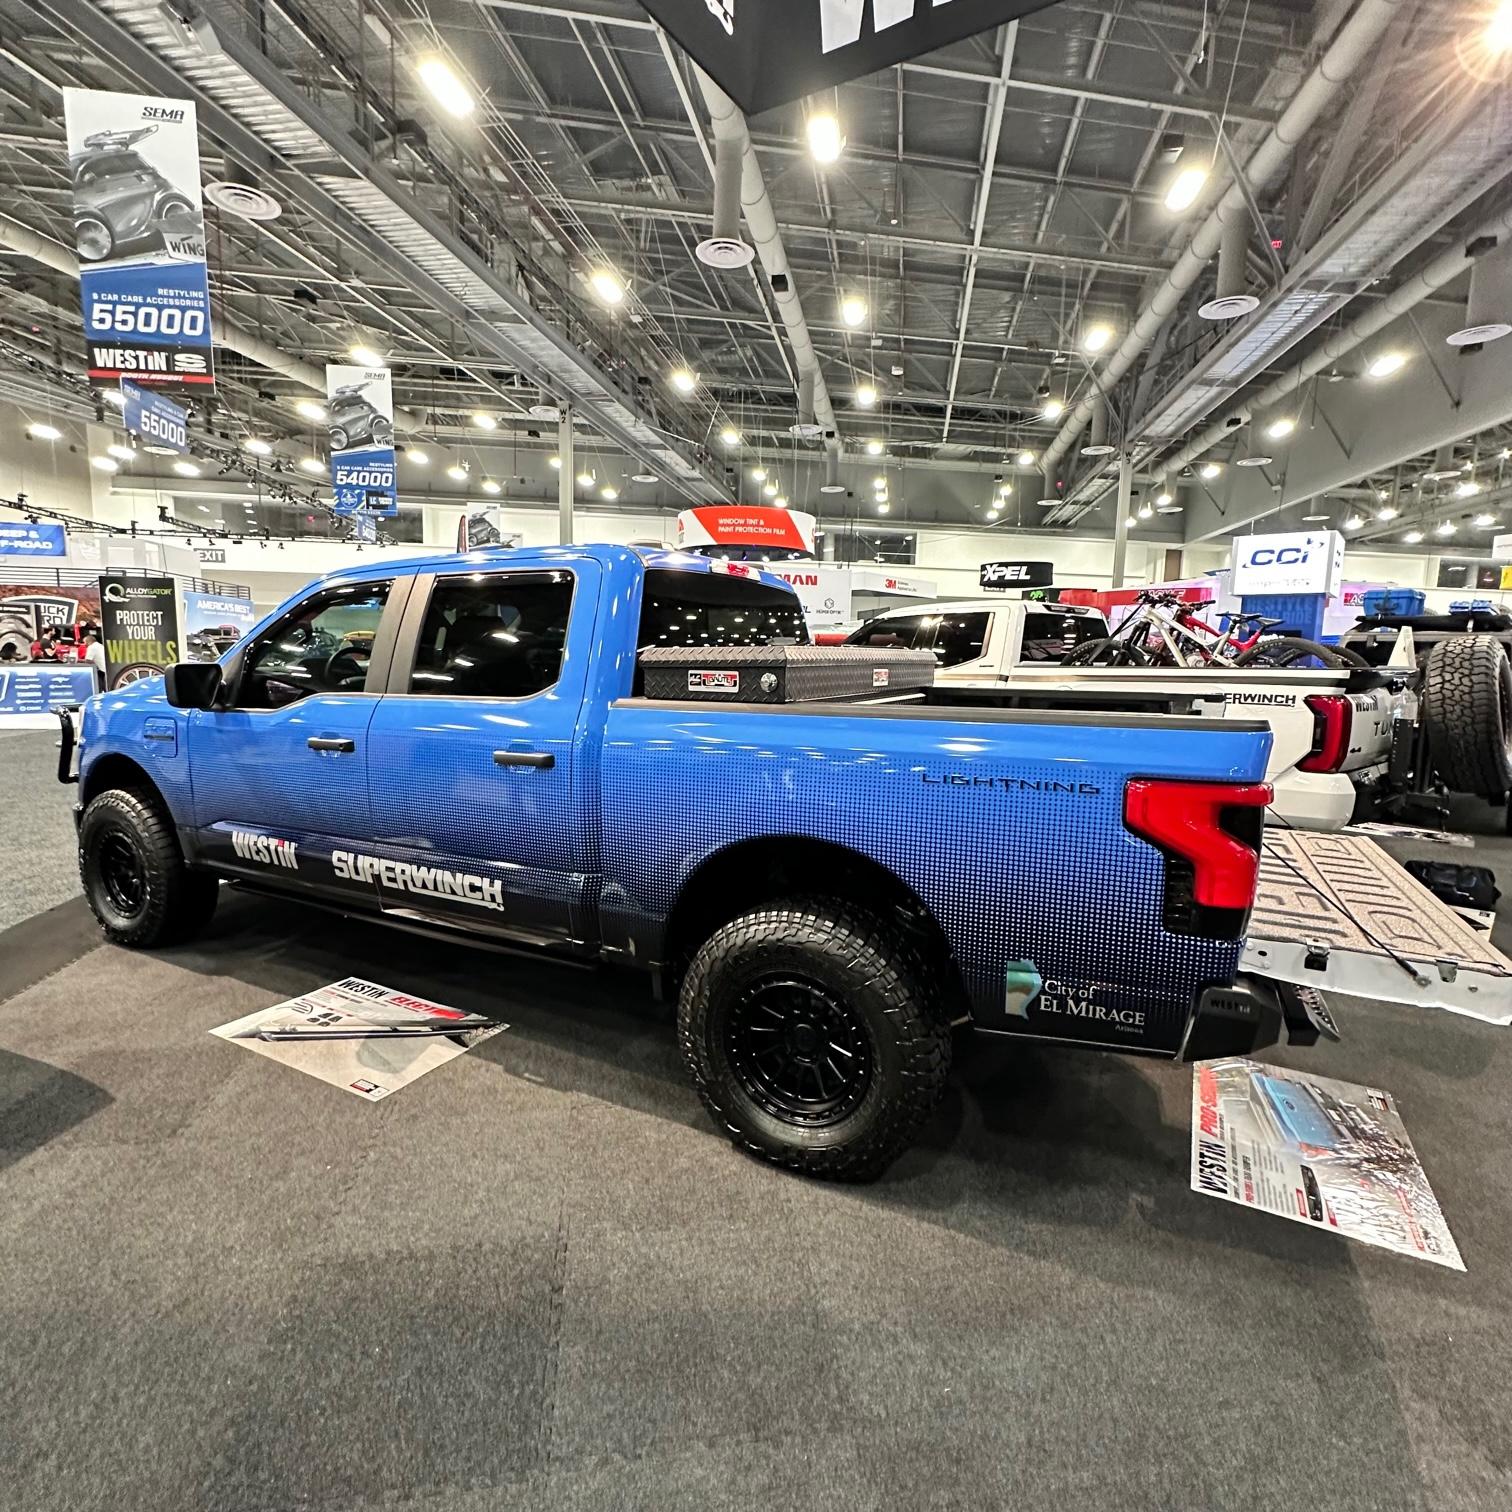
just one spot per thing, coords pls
(1288, 650)
(1106, 653)
(1467, 709)
(177, 902)
(852, 956)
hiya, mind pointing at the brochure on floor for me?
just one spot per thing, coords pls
(368, 1039)
(1326, 1153)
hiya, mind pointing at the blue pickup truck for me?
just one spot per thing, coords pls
(832, 894)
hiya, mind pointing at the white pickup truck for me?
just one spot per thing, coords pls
(1332, 729)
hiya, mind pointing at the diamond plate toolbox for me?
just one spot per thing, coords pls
(783, 674)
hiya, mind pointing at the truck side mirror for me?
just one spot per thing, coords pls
(192, 685)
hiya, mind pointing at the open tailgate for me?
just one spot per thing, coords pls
(1336, 912)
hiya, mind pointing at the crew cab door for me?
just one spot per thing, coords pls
(474, 761)
(280, 772)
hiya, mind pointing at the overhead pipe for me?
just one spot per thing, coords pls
(729, 125)
(42, 249)
(1443, 270)
(1343, 55)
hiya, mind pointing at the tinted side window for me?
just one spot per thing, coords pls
(499, 635)
(1049, 637)
(908, 632)
(322, 646)
(717, 609)
(960, 638)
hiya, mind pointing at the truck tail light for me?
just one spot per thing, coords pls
(1209, 834)
(1333, 723)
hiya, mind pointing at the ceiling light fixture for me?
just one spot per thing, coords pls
(1498, 33)
(43, 432)
(758, 474)
(874, 448)
(257, 446)
(1388, 513)
(554, 463)
(186, 469)
(1486, 522)
(1260, 459)
(683, 380)
(119, 452)
(415, 455)
(489, 486)
(780, 502)
(1280, 428)
(1145, 512)
(883, 506)
(586, 479)
(644, 478)
(451, 94)
(105, 464)
(1210, 470)
(458, 471)
(609, 493)
(1354, 522)
(866, 396)
(485, 422)
(365, 356)
(1162, 499)
(114, 398)
(1413, 537)
(729, 436)
(1386, 364)
(853, 310)
(312, 464)
(770, 490)
(826, 140)
(608, 285)
(1467, 490)
(1446, 529)
(1185, 188)
(1096, 337)
(1053, 409)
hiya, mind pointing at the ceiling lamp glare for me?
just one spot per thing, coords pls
(866, 396)
(1387, 513)
(1095, 338)
(770, 490)
(415, 455)
(489, 486)
(730, 436)
(1413, 537)
(1163, 498)
(1145, 512)
(310, 410)
(366, 356)
(554, 463)
(1386, 364)
(586, 479)
(758, 474)
(450, 93)
(1053, 409)
(874, 448)
(1025, 459)
(1354, 522)
(608, 492)
(1486, 522)
(780, 502)
(39, 431)
(485, 422)
(1498, 33)
(883, 506)
(257, 446)
(853, 310)
(105, 464)
(683, 380)
(309, 464)
(1185, 188)
(458, 471)
(1467, 490)
(190, 470)
(1280, 428)
(608, 285)
(1210, 470)
(826, 139)
(1446, 529)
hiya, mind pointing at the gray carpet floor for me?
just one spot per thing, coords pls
(538, 1278)
(36, 827)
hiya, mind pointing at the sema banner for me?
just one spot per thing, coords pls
(139, 229)
(213, 623)
(360, 404)
(139, 625)
(739, 525)
(158, 423)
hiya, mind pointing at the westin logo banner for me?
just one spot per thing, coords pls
(764, 53)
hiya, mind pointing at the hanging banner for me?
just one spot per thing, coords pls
(484, 527)
(19, 539)
(139, 625)
(1017, 574)
(1297, 562)
(213, 623)
(156, 421)
(139, 229)
(764, 53)
(360, 411)
(755, 527)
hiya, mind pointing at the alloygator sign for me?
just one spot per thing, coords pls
(764, 53)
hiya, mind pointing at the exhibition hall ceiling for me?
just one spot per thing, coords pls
(996, 252)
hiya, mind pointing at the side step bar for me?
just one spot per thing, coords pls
(1336, 913)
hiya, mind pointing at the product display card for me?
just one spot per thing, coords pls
(1321, 1152)
(354, 1034)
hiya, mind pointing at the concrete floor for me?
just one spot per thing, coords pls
(540, 1279)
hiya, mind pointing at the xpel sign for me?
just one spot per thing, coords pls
(1294, 563)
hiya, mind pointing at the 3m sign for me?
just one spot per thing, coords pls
(764, 53)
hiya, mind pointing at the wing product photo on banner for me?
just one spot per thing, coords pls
(360, 411)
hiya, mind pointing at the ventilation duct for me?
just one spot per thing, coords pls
(725, 247)
(1444, 466)
(832, 483)
(1097, 444)
(806, 429)
(1488, 314)
(1231, 299)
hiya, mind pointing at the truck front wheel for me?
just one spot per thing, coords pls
(134, 874)
(812, 1038)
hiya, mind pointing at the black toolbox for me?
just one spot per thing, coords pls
(783, 674)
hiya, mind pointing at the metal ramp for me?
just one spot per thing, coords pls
(1335, 912)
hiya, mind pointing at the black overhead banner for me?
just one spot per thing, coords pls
(1017, 574)
(763, 53)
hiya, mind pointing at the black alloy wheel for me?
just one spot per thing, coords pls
(122, 874)
(798, 1051)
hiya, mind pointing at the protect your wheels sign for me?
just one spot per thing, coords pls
(139, 230)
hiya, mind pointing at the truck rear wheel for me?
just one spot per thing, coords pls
(812, 1038)
(1467, 708)
(134, 874)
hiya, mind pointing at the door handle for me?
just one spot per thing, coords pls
(331, 743)
(524, 758)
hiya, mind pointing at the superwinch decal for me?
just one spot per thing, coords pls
(423, 881)
(266, 849)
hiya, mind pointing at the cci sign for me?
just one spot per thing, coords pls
(1295, 563)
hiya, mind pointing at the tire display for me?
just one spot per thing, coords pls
(1467, 709)
(134, 875)
(813, 1037)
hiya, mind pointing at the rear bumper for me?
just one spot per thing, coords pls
(1248, 1015)
(1313, 800)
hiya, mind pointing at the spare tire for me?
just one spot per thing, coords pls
(1467, 711)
